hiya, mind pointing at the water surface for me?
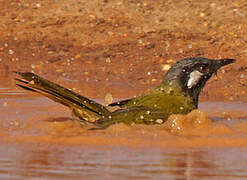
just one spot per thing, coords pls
(40, 141)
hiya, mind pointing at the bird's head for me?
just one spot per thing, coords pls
(192, 73)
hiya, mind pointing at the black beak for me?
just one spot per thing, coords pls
(220, 63)
(223, 62)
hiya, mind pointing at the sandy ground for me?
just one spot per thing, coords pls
(122, 47)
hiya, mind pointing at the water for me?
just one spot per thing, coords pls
(39, 141)
(35, 161)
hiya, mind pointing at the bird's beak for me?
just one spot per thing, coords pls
(223, 62)
(220, 63)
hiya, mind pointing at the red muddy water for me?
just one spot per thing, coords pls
(39, 139)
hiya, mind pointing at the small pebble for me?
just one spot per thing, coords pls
(77, 56)
(165, 67)
(108, 60)
(202, 14)
(11, 52)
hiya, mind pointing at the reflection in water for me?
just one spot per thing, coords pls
(190, 164)
(61, 162)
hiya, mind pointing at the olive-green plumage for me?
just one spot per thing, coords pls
(177, 94)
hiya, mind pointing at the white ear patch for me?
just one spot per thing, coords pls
(195, 76)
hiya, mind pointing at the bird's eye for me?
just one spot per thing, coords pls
(202, 68)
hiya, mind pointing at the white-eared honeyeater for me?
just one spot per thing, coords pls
(177, 94)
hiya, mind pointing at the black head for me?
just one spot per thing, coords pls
(193, 73)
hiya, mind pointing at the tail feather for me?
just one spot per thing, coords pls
(49, 95)
(84, 107)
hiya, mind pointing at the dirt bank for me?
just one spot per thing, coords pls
(121, 46)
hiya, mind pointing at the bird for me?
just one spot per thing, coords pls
(178, 93)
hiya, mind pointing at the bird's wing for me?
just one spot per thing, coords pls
(135, 115)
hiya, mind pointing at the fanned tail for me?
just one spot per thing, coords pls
(85, 109)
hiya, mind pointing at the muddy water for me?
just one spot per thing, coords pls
(39, 140)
